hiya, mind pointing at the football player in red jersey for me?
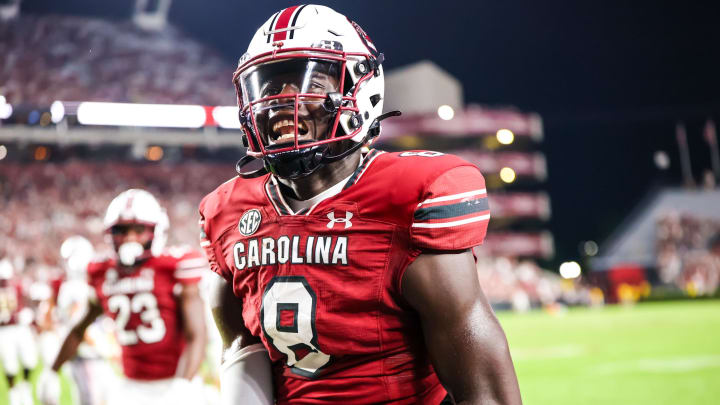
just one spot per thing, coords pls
(347, 276)
(152, 295)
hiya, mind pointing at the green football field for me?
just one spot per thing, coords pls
(654, 353)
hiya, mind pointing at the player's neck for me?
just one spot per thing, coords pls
(323, 178)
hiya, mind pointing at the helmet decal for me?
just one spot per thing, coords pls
(282, 23)
(364, 37)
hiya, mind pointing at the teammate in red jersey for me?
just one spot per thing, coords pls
(353, 271)
(152, 295)
(18, 352)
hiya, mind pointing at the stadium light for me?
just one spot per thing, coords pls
(45, 119)
(507, 174)
(505, 136)
(662, 160)
(141, 115)
(6, 109)
(445, 112)
(591, 248)
(3, 152)
(41, 153)
(33, 117)
(57, 111)
(226, 117)
(570, 270)
(154, 153)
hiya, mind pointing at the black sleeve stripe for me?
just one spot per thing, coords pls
(452, 210)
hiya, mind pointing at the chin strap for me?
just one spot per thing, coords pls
(249, 167)
(372, 133)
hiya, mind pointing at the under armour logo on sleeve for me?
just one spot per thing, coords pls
(333, 220)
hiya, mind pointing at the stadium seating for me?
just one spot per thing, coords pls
(73, 58)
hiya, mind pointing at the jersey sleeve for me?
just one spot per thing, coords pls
(95, 272)
(190, 267)
(209, 247)
(454, 212)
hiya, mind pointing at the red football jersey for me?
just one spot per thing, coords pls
(144, 304)
(11, 301)
(322, 288)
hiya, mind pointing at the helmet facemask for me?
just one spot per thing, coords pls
(292, 106)
(132, 252)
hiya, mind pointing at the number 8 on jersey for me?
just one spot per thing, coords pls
(288, 321)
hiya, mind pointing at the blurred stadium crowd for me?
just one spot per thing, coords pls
(45, 203)
(48, 58)
(689, 253)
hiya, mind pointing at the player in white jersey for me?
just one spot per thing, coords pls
(18, 352)
(90, 370)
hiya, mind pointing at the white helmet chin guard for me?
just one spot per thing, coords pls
(135, 206)
(310, 81)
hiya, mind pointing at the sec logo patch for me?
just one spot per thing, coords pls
(250, 222)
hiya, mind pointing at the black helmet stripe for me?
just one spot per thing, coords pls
(271, 26)
(297, 14)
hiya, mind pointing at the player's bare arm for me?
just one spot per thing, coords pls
(75, 336)
(194, 331)
(246, 376)
(466, 343)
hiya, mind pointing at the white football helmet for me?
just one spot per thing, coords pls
(77, 252)
(135, 206)
(281, 99)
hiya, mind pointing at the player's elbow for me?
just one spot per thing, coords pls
(196, 335)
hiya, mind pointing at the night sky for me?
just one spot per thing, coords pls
(610, 79)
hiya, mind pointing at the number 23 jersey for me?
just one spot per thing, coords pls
(144, 303)
(322, 287)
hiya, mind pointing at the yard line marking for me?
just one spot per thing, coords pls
(661, 365)
(547, 352)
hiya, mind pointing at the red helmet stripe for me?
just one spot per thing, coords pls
(282, 22)
(128, 206)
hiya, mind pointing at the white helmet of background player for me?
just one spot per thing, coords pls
(77, 253)
(135, 206)
(292, 122)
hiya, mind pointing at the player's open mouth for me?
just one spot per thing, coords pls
(283, 130)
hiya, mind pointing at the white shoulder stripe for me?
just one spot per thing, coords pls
(205, 243)
(454, 196)
(451, 224)
(191, 274)
(191, 269)
(190, 263)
